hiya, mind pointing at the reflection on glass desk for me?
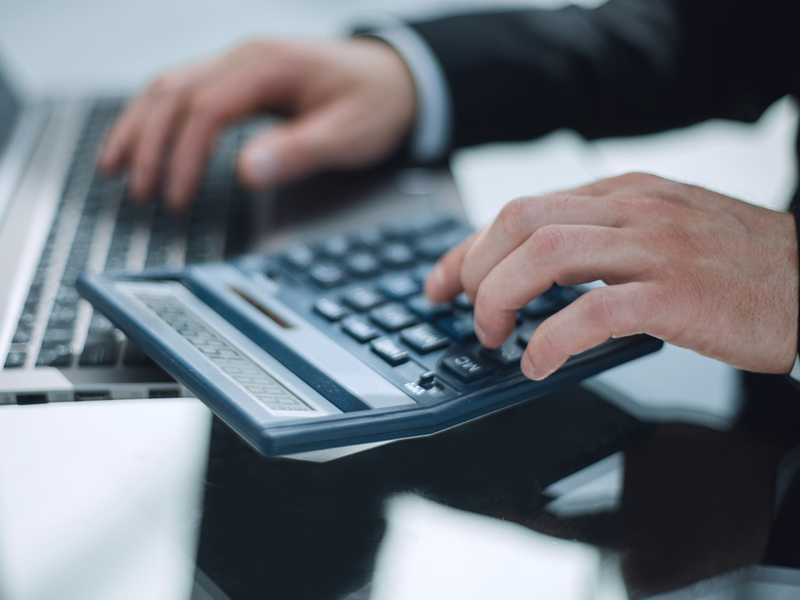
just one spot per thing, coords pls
(567, 496)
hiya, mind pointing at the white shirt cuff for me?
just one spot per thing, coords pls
(430, 139)
(795, 372)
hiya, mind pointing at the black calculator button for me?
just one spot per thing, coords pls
(393, 317)
(335, 247)
(327, 275)
(467, 367)
(397, 256)
(462, 301)
(427, 380)
(299, 257)
(329, 309)
(424, 338)
(359, 330)
(371, 238)
(399, 287)
(539, 307)
(427, 310)
(15, 360)
(421, 272)
(461, 328)
(389, 351)
(526, 331)
(362, 298)
(507, 354)
(362, 264)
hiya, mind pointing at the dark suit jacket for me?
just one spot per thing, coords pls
(628, 67)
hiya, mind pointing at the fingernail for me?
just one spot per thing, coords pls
(527, 367)
(263, 166)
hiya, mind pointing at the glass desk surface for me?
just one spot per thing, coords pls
(566, 496)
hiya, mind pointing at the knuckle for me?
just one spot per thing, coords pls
(603, 306)
(203, 105)
(163, 84)
(513, 215)
(550, 240)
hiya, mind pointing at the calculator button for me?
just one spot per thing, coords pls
(393, 317)
(389, 351)
(327, 275)
(462, 328)
(427, 310)
(424, 338)
(359, 330)
(329, 309)
(467, 367)
(421, 272)
(526, 331)
(361, 298)
(462, 301)
(335, 247)
(371, 238)
(507, 354)
(397, 255)
(399, 287)
(362, 264)
(299, 257)
(539, 307)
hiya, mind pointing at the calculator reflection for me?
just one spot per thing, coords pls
(564, 497)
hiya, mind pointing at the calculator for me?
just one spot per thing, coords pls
(332, 344)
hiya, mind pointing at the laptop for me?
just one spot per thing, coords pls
(59, 218)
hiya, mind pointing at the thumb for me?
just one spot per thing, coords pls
(284, 153)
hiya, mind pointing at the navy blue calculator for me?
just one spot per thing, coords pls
(332, 344)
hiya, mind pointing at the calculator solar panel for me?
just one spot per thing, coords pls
(332, 344)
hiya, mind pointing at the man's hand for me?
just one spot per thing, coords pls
(353, 102)
(689, 266)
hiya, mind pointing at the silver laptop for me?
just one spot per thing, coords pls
(59, 217)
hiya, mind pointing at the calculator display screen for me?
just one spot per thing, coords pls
(222, 353)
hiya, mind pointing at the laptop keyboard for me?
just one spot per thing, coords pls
(97, 228)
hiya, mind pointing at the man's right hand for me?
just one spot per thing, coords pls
(351, 102)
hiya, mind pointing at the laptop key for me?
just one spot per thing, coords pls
(15, 359)
(99, 352)
(135, 356)
(54, 356)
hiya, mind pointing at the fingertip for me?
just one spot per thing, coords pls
(259, 166)
(434, 286)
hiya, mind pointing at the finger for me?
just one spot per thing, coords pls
(563, 254)
(444, 280)
(117, 144)
(212, 106)
(151, 146)
(602, 313)
(520, 219)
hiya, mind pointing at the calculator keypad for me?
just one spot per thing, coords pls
(367, 289)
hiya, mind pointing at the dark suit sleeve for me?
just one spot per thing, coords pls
(628, 67)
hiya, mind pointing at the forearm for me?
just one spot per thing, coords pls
(628, 67)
